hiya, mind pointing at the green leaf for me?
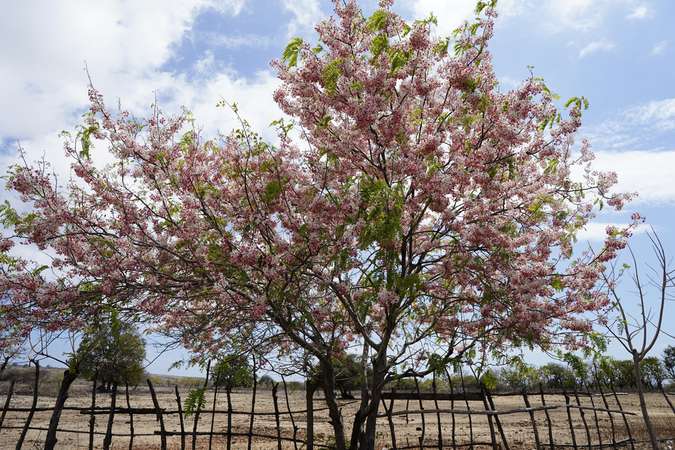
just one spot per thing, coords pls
(378, 21)
(441, 48)
(194, 402)
(39, 270)
(398, 60)
(557, 284)
(330, 75)
(272, 191)
(379, 44)
(291, 52)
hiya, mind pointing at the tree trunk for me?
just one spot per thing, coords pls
(379, 374)
(68, 377)
(643, 404)
(328, 383)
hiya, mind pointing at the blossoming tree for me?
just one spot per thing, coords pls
(415, 214)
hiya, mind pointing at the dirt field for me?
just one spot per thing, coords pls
(517, 427)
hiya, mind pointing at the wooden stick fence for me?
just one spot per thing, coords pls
(584, 417)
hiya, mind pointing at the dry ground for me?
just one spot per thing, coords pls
(408, 429)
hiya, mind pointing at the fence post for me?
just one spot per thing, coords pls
(111, 417)
(131, 417)
(290, 414)
(569, 418)
(92, 416)
(623, 416)
(162, 431)
(595, 415)
(276, 413)
(665, 395)
(229, 417)
(452, 408)
(180, 418)
(466, 401)
(213, 413)
(532, 419)
(497, 420)
(488, 409)
(438, 414)
(424, 422)
(309, 397)
(609, 414)
(195, 421)
(582, 413)
(548, 417)
(390, 420)
(10, 391)
(250, 424)
(24, 431)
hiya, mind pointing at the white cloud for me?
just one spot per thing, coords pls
(43, 88)
(306, 14)
(659, 114)
(595, 47)
(597, 231)
(649, 173)
(659, 48)
(452, 13)
(639, 12)
(238, 40)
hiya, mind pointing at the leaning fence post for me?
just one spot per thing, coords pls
(548, 417)
(111, 417)
(92, 417)
(488, 409)
(497, 420)
(582, 413)
(569, 419)
(162, 430)
(609, 414)
(623, 415)
(309, 397)
(532, 419)
(131, 417)
(390, 421)
(290, 414)
(24, 431)
(595, 415)
(276, 413)
(665, 395)
(180, 418)
(10, 391)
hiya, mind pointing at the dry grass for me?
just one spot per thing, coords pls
(518, 427)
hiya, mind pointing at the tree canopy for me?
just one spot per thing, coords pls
(410, 209)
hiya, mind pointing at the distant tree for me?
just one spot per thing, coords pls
(232, 372)
(653, 372)
(112, 351)
(669, 362)
(266, 381)
(557, 376)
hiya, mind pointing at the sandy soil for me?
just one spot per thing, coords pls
(408, 429)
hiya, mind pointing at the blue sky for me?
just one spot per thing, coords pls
(620, 54)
